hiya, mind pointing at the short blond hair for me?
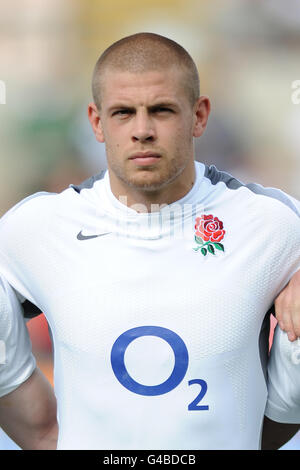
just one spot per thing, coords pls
(143, 52)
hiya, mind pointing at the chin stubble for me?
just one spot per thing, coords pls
(163, 181)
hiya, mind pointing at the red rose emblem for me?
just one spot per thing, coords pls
(209, 232)
(209, 228)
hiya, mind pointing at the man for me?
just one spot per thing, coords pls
(155, 277)
(27, 402)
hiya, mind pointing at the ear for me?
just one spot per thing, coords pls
(95, 120)
(201, 113)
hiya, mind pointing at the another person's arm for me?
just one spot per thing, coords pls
(283, 406)
(287, 308)
(287, 304)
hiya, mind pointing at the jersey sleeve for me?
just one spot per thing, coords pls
(283, 404)
(17, 362)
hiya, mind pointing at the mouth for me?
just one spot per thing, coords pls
(145, 158)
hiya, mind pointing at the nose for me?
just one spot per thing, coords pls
(143, 127)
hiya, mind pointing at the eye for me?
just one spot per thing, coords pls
(122, 112)
(162, 110)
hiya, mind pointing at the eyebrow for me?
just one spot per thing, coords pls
(163, 104)
(160, 104)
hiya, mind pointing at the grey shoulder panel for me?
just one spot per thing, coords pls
(215, 176)
(89, 182)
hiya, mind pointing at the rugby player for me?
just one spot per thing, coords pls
(155, 276)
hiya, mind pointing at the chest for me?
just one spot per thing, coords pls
(214, 302)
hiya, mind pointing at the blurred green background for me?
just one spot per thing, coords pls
(247, 52)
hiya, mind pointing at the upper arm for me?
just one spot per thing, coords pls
(27, 401)
(28, 413)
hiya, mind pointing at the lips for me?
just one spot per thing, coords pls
(145, 158)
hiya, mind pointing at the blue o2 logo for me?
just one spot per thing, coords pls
(180, 367)
(180, 353)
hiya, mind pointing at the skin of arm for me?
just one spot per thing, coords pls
(28, 414)
(287, 308)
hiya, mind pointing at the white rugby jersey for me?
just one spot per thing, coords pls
(157, 318)
(16, 360)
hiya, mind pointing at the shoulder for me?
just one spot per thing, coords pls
(28, 206)
(267, 216)
(37, 211)
(26, 227)
(263, 196)
(40, 206)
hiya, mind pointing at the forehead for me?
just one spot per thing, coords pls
(144, 87)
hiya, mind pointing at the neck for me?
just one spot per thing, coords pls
(143, 200)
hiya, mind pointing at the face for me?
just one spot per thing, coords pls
(147, 123)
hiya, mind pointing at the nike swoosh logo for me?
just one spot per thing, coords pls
(80, 236)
